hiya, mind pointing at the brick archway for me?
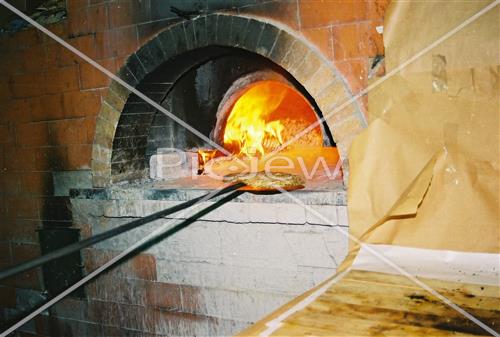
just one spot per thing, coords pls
(270, 39)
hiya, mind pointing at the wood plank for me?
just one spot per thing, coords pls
(372, 304)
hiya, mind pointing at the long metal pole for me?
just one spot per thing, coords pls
(159, 236)
(74, 247)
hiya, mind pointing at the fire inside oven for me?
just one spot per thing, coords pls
(266, 125)
(257, 116)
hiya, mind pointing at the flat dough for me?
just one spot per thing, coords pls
(267, 181)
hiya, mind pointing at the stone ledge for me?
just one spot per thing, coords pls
(238, 31)
(179, 38)
(147, 191)
(281, 47)
(254, 31)
(331, 96)
(223, 29)
(295, 57)
(168, 43)
(323, 76)
(136, 68)
(200, 31)
(211, 28)
(151, 54)
(191, 42)
(267, 39)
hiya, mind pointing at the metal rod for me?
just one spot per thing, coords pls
(74, 247)
(160, 236)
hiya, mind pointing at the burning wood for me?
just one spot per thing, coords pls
(265, 116)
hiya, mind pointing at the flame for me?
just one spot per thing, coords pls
(248, 124)
(265, 116)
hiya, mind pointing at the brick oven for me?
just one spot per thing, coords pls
(256, 252)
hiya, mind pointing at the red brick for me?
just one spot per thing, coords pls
(125, 13)
(58, 28)
(31, 279)
(374, 40)
(3, 212)
(125, 41)
(120, 61)
(356, 40)
(37, 183)
(85, 44)
(27, 85)
(143, 266)
(109, 288)
(28, 38)
(61, 79)
(53, 51)
(24, 231)
(355, 72)
(376, 9)
(24, 252)
(284, 11)
(98, 17)
(79, 157)
(322, 38)
(190, 298)
(19, 159)
(47, 107)
(12, 62)
(314, 13)
(164, 295)
(6, 134)
(7, 297)
(22, 208)
(75, 5)
(5, 92)
(78, 22)
(32, 134)
(35, 58)
(81, 103)
(147, 31)
(91, 77)
(5, 253)
(105, 44)
(85, 230)
(16, 111)
(117, 42)
(90, 123)
(69, 131)
(10, 183)
(51, 158)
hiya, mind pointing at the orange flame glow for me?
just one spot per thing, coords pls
(265, 116)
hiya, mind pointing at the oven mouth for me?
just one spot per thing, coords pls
(208, 84)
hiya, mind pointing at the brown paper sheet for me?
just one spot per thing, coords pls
(425, 173)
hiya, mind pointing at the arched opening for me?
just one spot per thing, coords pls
(191, 76)
(211, 89)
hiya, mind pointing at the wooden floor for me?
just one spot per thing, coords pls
(374, 304)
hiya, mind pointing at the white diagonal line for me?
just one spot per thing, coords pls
(105, 266)
(389, 74)
(399, 269)
(113, 76)
(194, 131)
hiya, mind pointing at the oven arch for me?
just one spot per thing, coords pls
(270, 39)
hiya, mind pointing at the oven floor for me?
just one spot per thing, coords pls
(206, 182)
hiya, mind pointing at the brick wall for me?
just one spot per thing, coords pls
(215, 277)
(49, 100)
